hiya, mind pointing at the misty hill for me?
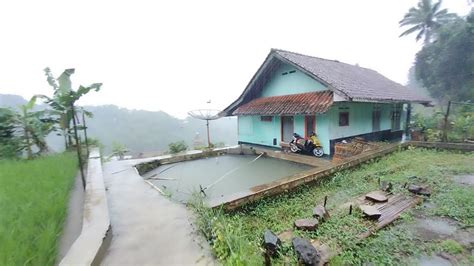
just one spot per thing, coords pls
(142, 131)
(11, 100)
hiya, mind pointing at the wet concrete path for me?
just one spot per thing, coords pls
(148, 228)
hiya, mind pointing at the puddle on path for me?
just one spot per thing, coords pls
(431, 228)
(464, 179)
(434, 260)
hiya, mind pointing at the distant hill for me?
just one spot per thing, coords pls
(142, 131)
(11, 100)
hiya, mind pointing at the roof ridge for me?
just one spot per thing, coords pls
(316, 57)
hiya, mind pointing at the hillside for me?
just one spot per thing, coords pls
(139, 130)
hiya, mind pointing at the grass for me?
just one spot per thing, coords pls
(242, 230)
(33, 201)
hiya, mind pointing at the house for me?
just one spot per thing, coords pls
(291, 92)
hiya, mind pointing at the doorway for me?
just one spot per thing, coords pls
(287, 128)
(309, 125)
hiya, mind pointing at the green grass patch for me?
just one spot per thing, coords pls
(33, 202)
(451, 246)
(393, 245)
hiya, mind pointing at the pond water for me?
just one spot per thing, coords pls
(222, 175)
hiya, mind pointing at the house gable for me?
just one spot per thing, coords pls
(287, 79)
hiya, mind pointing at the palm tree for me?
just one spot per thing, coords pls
(425, 19)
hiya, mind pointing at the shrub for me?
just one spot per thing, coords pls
(176, 147)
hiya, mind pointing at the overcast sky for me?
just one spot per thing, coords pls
(176, 55)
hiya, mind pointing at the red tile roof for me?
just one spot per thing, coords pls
(293, 104)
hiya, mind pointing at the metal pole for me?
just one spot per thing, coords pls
(407, 126)
(208, 136)
(78, 146)
(445, 129)
(85, 131)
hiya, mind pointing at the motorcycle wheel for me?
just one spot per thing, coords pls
(318, 152)
(293, 148)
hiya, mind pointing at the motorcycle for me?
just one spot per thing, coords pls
(310, 146)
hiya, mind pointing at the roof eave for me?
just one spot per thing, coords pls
(420, 101)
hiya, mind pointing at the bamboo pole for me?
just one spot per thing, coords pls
(85, 132)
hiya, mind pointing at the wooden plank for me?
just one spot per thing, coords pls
(391, 210)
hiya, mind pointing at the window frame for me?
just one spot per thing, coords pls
(341, 115)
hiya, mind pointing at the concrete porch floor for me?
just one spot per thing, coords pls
(148, 228)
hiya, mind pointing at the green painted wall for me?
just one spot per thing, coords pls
(252, 130)
(291, 83)
(360, 119)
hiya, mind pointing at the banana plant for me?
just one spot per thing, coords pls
(33, 127)
(64, 99)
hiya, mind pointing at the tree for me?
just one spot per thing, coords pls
(446, 66)
(27, 128)
(9, 142)
(119, 150)
(176, 147)
(425, 19)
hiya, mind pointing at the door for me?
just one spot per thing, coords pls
(309, 125)
(287, 128)
(376, 119)
(396, 113)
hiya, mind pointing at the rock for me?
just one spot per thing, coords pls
(309, 224)
(324, 252)
(376, 196)
(320, 213)
(386, 186)
(414, 188)
(305, 252)
(370, 211)
(286, 235)
(425, 192)
(271, 242)
(420, 190)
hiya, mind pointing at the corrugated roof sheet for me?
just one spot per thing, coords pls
(303, 103)
(358, 83)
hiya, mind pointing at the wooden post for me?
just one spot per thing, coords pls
(350, 209)
(85, 132)
(325, 201)
(445, 129)
(78, 146)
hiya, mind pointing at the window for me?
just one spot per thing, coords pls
(266, 118)
(343, 119)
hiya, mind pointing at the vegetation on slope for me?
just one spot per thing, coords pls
(33, 201)
(236, 237)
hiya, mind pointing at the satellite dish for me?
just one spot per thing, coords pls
(206, 114)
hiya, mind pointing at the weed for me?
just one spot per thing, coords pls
(451, 246)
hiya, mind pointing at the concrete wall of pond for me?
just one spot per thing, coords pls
(96, 221)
